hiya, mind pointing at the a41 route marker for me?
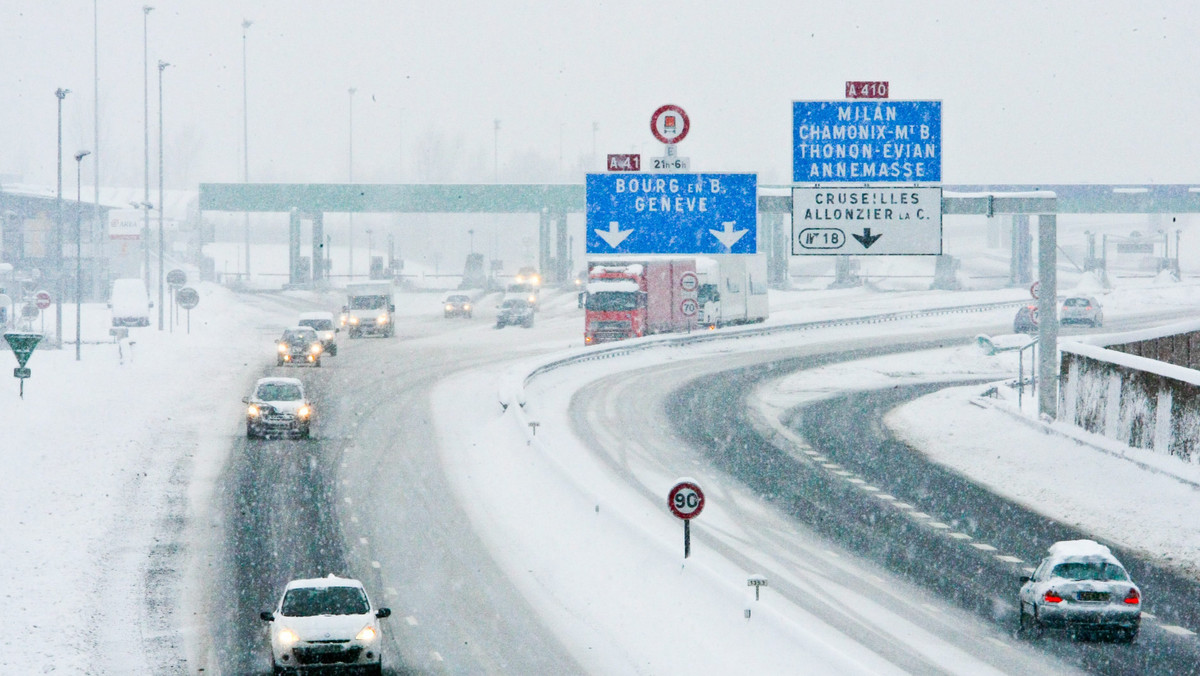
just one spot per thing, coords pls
(686, 501)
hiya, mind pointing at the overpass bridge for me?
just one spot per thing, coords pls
(553, 202)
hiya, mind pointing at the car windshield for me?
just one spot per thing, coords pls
(1076, 302)
(610, 301)
(368, 302)
(318, 324)
(1089, 570)
(278, 392)
(299, 336)
(514, 304)
(457, 299)
(310, 601)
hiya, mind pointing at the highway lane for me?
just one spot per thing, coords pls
(847, 434)
(677, 434)
(366, 498)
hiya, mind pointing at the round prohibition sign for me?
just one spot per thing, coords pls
(686, 500)
(42, 299)
(689, 281)
(669, 124)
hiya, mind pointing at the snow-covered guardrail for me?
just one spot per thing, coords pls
(512, 387)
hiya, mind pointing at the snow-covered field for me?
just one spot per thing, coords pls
(105, 454)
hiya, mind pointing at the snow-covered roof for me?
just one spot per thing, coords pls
(1080, 549)
(613, 286)
(278, 381)
(329, 581)
(177, 204)
(632, 269)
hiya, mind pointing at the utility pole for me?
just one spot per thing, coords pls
(350, 165)
(56, 254)
(246, 23)
(79, 251)
(162, 65)
(146, 9)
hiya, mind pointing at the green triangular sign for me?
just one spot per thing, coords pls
(22, 345)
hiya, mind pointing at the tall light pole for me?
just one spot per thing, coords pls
(96, 112)
(79, 252)
(350, 164)
(162, 65)
(146, 9)
(58, 238)
(496, 151)
(246, 23)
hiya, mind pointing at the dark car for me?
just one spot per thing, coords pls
(299, 345)
(514, 311)
(1026, 320)
(457, 306)
(1082, 310)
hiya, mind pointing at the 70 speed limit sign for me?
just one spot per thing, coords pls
(686, 500)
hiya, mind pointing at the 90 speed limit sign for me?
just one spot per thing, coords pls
(686, 500)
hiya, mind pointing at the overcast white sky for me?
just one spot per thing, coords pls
(1032, 91)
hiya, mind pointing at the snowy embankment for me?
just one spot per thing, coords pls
(106, 462)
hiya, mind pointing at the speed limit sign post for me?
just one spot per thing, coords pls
(686, 501)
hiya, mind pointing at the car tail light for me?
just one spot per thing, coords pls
(1133, 598)
(1052, 597)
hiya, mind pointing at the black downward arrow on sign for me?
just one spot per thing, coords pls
(866, 239)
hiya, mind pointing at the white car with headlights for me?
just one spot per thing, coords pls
(325, 623)
(1082, 588)
(326, 327)
(278, 407)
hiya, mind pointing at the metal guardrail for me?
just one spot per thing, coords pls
(675, 340)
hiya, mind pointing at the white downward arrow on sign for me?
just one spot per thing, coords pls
(728, 237)
(614, 235)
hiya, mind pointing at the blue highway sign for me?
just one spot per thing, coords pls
(672, 213)
(867, 141)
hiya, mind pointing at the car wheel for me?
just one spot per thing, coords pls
(250, 432)
(333, 350)
(317, 362)
(279, 362)
(305, 432)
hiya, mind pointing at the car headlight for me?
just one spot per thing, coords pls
(252, 411)
(283, 347)
(467, 306)
(287, 636)
(533, 299)
(449, 308)
(368, 633)
(315, 348)
(354, 320)
(303, 411)
(381, 319)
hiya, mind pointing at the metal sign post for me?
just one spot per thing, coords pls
(22, 345)
(175, 279)
(686, 501)
(188, 298)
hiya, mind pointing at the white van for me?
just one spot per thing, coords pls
(129, 302)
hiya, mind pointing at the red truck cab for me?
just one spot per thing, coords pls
(631, 299)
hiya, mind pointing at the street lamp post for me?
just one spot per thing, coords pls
(146, 9)
(246, 23)
(350, 165)
(162, 65)
(79, 252)
(58, 238)
(496, 151)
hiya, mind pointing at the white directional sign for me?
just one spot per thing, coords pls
(866, 221)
